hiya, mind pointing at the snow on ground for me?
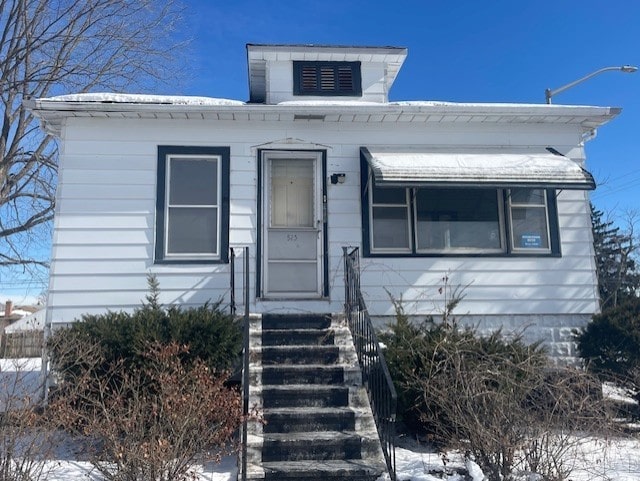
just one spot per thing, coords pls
(20, 381)
(617, 393)
(598, 460)
(595, 459)
(80, 470)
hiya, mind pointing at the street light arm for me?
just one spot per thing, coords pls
(550, 93)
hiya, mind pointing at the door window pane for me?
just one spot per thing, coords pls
(291, 193)
(449, 219)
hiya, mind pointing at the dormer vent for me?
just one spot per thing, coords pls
(318, 73)
(327, 78)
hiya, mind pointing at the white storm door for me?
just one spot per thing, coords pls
(292, 213)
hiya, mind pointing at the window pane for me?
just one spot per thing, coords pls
(529, 228)
(192, 231)
(193, 181)
(389, 195)
(390, 228)
(458, 218)
(527, 196)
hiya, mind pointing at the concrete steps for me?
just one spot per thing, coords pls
(306, 384)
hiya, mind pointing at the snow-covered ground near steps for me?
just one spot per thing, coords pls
(594, 459)
(598, 460)
(78, 471)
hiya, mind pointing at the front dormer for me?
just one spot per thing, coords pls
(281, 73)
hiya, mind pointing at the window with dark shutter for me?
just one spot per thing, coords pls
(327, 78)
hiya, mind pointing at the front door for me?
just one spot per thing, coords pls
(293, 223)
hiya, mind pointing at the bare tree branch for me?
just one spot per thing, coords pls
(51, 47)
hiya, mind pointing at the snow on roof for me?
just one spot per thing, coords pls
(110, 97)
(331, 103)
(150, 99)
(439, 103)
(31, 322)
(458, 166)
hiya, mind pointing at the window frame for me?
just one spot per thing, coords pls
(505, 222)
(356, 76)
(407, 208)
(512, 239)
(462, 250)
(165, 154)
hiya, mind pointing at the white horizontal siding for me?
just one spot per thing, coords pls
(105, 223)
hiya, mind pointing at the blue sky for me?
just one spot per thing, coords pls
(459, 51)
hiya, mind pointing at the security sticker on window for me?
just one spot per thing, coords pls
(531, 241)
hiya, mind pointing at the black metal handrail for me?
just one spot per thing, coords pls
(245, 343)
(375, 373)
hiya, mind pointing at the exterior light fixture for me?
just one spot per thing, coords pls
(338, 178)
(550, 93)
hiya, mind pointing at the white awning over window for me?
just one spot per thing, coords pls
(479, 167)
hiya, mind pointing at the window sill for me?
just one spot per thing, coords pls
(190, 261)
(497, 255)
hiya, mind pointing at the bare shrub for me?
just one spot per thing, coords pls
(496, 398)
(156, 422)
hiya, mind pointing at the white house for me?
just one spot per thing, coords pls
(493, 197)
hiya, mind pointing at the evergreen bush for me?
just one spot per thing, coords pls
(213, 336)
(610, 345)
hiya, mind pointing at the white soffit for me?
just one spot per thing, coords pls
(477, 167)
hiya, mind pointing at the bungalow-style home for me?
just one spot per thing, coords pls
(491, 199)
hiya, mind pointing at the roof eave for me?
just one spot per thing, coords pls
(53, 113)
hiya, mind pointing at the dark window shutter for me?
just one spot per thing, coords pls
(327, 78)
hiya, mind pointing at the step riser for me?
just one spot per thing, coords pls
(284, 338)
(309, 423)
(296, 451)
(289, 321)
(338, 397)
(284, 376)
(311, 477)
(300, 356)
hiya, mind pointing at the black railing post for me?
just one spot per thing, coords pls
(245, 361)
(232, 281)
(375, 373)
(245, 344)
(246, 283)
